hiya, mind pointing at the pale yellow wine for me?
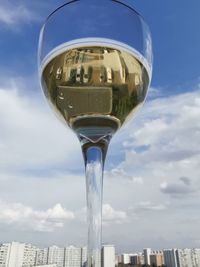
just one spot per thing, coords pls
(94, 89)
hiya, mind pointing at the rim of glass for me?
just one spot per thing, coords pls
(148, 64)
(94, 42)
(73, 1)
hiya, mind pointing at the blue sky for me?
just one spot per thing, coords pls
(174, 27)
(152, 177)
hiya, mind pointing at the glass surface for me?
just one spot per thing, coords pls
(95, 65)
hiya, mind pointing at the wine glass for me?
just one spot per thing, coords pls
(95, 65)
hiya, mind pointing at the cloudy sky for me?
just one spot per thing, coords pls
(152, 177)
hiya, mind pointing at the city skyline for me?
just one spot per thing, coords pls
(151, 184)
(17, 254)
(117, 250)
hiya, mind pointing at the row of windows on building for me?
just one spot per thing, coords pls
(167, 257)
(17, 254)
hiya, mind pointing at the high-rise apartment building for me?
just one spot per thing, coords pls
(125, 259)
(108, 256)
(195, 256)
(135, 259)
(16, 254)
(4, 254)
(21, 255)
(147, 252)
(73, 257)
(83, 256)
(29, 257)
(184, 258)
(170, 257)
(188, 257)
(41, 256)
(141, 258)
(156, 259)
(56, 255)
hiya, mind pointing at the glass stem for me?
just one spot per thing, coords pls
(94, 156)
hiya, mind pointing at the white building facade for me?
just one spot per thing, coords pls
(4, 254)
(56, 256)
(125, 259)
(29, 256)
(108, 256)
(195, 255)
(147, 253)
(73, 257)
(170, 258)
(41, 256)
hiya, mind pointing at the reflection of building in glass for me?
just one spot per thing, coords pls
(74, 101)
(111, 60)
(97, 81)
(134, 79)
(98, 66)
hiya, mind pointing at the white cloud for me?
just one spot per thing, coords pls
(30, 135)
(148, 206)
(25, 217)
(150, 132)
(112, 216)
(119, 173)
(154, 92)
(167, 134)
(13, 15)
(185, 180)
(138, 180)
(181, 188)
(161, 146)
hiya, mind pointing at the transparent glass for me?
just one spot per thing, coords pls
(95, 67)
